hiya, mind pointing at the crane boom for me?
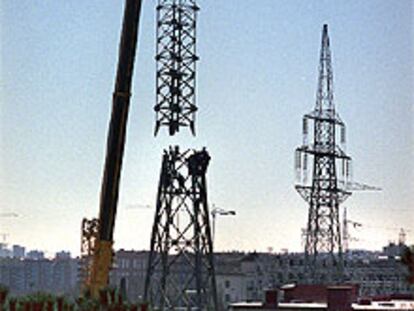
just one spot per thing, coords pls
(102, 257)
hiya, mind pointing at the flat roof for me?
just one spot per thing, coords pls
(289, 305)
(375, 305)
(386, 305)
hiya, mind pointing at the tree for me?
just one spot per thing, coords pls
(407, 258)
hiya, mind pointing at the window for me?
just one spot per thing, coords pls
(227, 284)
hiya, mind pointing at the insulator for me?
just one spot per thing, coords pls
(305, 162)
(305, 126)
(298, 165)
(297, 160)
(305, 168)
(347, 169)
(305, 131)
(344, 165)
(343, 136)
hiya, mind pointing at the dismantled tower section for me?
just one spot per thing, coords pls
(181, 268)
(325, 191)
(176, 65)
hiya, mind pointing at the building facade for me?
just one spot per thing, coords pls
(239, 276)
(25, 276)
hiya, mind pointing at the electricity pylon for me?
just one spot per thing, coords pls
(325, 191)
(181, 264)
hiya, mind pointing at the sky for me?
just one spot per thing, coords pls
(256, 77)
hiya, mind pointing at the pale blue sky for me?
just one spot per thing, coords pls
(257, 77)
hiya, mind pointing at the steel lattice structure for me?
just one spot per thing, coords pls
(176, 65)
(181, 264)
(325, 191)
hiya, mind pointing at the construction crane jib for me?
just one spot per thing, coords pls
(103, 253)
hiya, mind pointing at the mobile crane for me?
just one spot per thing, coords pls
(102, 252)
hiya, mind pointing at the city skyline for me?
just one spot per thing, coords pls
(256, 78)
(23, 252)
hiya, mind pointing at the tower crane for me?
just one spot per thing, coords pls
(357, 225)
(5, 234)
(219, 211)
(102, 251)
(9, 215)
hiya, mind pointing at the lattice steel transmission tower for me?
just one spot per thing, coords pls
(325, 191)
(181, 264)
(176, 65)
